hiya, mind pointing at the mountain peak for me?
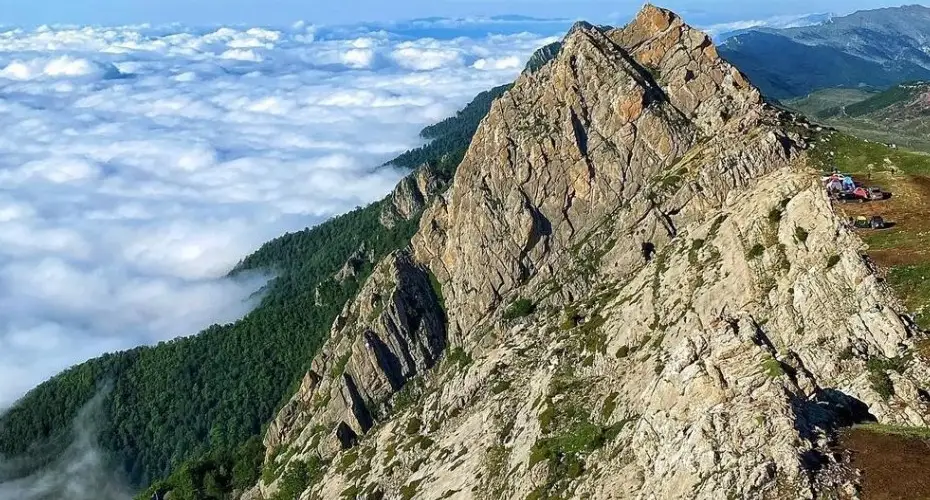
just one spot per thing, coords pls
(656, 19)
(607, 249)
(579, 26)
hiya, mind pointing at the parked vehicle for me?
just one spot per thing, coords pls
(863, 222)
(875, 193)
(859, 195)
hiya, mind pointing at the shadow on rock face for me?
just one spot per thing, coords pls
(829, 410)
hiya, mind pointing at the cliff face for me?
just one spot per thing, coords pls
(635, 288)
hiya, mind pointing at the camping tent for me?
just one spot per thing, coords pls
(834, 186)
(848, 183)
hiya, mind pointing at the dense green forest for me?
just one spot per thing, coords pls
(187, 415)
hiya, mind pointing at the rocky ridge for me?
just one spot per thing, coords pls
(412, 194)
(634, 288)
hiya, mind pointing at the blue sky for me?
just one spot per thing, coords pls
(279, 12)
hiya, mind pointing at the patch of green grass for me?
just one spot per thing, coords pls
(582, 437)
(878, 368)
(537, 493)
(890, 239)
(898, 364)
(775, 216)
(570, 319)
(340, 367)
(912, 283)
(321, 400)
(773, 368)
(715, 227)
(825, 99)
(458, 357)
(408, 491)
(437, 290)
(800, 234)
(406, 396)
(518, 309)
(414, 425)
(593, 338)
(623, 351)
(853, 155)
(350, 493)
(881, 384)
(565, 453)
(896, 430)
(390, 453)
(269, 472)
(298, 477)
(496, 458)
(610, 404)
(894, 95)
(673, 181)
(419, 441)
(755, 252)
(547, 417)
(348, 460)
(833, 261)
(501, 386)
(694, 251)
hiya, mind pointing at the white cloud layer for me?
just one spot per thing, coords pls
(139, 164)
(723, 31)
(80, 472)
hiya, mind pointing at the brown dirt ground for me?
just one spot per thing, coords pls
(908, 209)
(892, 467)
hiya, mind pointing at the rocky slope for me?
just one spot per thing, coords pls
(634, 288)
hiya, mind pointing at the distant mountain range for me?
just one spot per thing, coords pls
(872, 49)
(725, 31)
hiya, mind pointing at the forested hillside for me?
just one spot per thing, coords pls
(197, 405)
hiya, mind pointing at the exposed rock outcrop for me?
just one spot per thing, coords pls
(635, 288)
(353, 264)
(563, 152)
(542, 56)
(412, 194)
(393, 331)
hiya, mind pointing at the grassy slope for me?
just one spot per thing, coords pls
(903, 252)
(195, 405)
(878, 117)
(817, 102)
(895, 95)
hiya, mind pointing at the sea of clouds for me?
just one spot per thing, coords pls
(139, 164)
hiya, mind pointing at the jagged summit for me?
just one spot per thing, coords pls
(593, 129)
(634, 288)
